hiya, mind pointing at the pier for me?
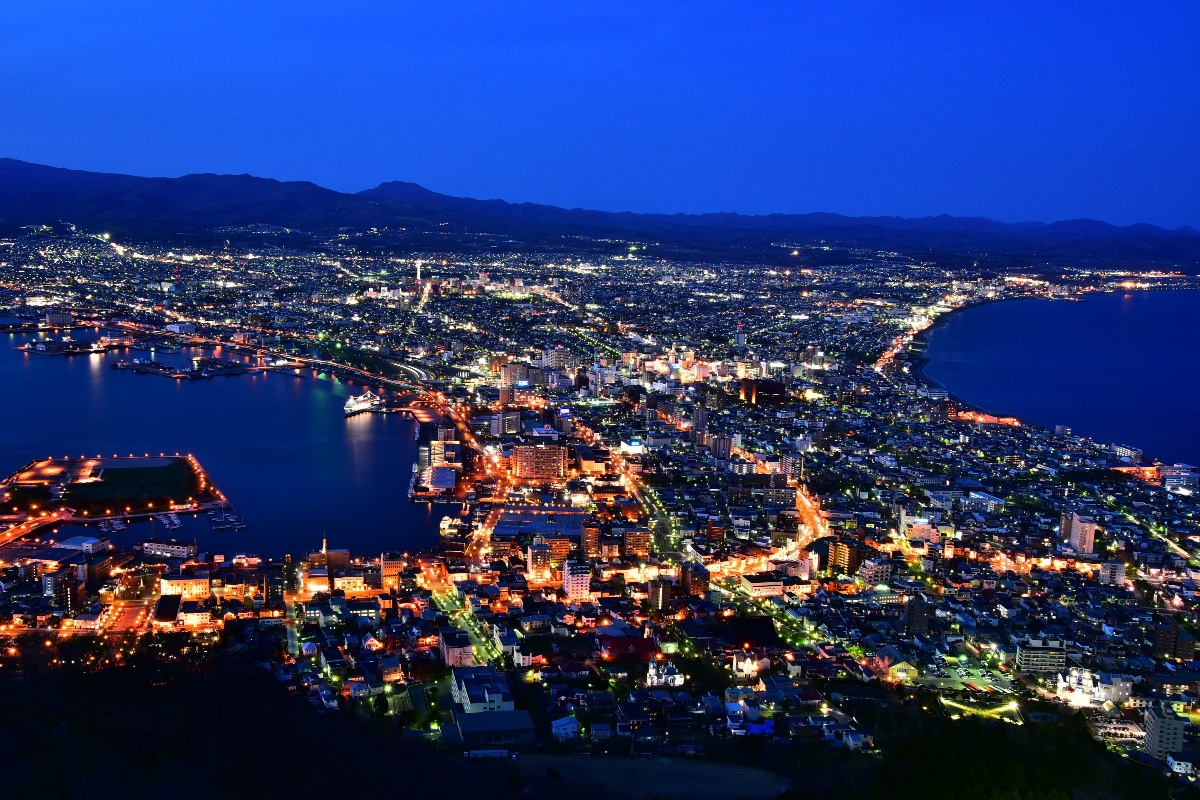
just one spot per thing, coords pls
(202, 368)
(62, 490)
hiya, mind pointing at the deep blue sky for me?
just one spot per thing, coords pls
(1012, 110)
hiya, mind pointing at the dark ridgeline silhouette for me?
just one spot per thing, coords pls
(193, 206)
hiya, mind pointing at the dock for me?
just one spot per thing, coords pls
(201, 369)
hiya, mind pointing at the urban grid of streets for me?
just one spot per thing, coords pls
(765, 426)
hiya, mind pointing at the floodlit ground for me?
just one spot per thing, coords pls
(1009, 712)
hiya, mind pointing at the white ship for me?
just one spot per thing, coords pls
(367, 401)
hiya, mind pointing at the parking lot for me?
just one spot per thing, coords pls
(962, 674)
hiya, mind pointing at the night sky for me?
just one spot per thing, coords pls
(1010, 110)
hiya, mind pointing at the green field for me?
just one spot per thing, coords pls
(136, 487)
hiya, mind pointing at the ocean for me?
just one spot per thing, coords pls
(1119, 368)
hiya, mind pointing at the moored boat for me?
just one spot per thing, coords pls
(367, 401)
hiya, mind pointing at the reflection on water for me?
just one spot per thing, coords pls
(278, 445)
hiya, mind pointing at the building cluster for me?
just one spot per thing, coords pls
(696, 496)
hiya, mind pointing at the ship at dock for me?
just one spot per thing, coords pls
(367, 401)
(169, 521)
(223, 520)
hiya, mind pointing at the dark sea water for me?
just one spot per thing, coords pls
(1121, 368)
(278, 445)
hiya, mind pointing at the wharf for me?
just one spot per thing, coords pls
(201, 369)
(67, 348)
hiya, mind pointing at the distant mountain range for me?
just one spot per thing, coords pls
(193, 206)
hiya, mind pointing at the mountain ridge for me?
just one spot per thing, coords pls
(411, 191)
(197, 203)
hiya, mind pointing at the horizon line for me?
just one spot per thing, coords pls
(1183, 229)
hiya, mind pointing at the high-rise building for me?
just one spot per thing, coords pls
(1124, 452)
(875, 571)
(1179, 477)
(1080, 532)
(762, 392)
(560, 548)
(1041, 654)
(514, 373)
(556, 357)
(51, 581)
(1164, 640)
(720, 446)
(577, 582)
(1164, 732)
(390, 567)
(792, 464)
(456, 648)
(1185, 646)
(840, 555)
(1170, 641)
(274, 591)
(505, 423)
(693, 579)
(537, 559)
(916, 617)
(1112, 573)
(660, 593)
(590, 539)
(637, 542)
(700, 418)
(71, 596)
(543, 462)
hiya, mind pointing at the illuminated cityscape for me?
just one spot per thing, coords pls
(612, 503)
(725, 480)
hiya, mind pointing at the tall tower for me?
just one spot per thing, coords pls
(1080, 531)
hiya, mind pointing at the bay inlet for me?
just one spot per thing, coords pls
(277, 444)
(1119, 368)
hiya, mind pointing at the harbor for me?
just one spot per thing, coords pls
(430, 482)
(197, 367)
(66, 346)
(226, 519)
(109, 492)
(370, 402)
(288, 458)
(200, 368)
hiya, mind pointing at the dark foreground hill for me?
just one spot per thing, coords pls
(127, 734)
(194, 205)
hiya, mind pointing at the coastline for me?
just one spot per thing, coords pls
(917, 370)
(366, 462)
(919, 362)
